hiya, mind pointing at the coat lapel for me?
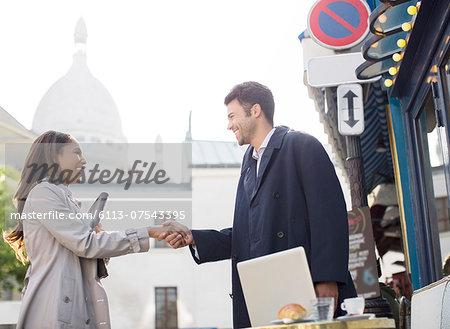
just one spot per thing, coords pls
(274, 143)
(250, 178)
(247, 170)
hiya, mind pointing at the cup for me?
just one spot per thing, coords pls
(353, 306)
(323, 308)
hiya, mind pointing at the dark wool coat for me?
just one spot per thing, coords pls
(296, 201)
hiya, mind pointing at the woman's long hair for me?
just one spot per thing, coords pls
(41, 162)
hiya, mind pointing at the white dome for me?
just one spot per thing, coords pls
(79, 104)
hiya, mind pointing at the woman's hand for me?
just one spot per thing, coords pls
(98, 228)
(180, 237)
(176, 234)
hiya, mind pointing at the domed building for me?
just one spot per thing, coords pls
(78, 103)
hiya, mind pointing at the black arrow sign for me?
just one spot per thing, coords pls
(351, 110)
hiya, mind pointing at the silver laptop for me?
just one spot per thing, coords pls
(271, 281)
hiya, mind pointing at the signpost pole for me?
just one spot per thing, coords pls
(377, 303)
(356, 172)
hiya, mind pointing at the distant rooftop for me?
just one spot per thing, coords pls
(216, 154)
(6, 117)
(220, 154)
(12, 130)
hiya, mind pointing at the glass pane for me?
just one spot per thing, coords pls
(446, 86)
(444, 221)
(159, 312)
(386, 46)
(435, 188)
(371, 69)
(166, 308)
(394, 17)
(172, 307)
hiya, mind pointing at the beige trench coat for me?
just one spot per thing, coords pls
(62, 289)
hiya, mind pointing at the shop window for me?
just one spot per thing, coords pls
(166, 308)
(433, 186)
(446, 81)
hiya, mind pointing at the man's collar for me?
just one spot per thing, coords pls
(256, 154)
(275, 143)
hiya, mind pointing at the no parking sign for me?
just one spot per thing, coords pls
(339, 24)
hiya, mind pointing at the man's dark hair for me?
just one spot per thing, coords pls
(250, 93)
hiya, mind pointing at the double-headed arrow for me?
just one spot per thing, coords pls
(351, 110)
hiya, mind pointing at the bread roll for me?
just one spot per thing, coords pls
(291, 311)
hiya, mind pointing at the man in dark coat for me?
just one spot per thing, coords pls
(288, 196)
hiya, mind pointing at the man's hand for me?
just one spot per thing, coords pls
(178, 236)
(327, 289)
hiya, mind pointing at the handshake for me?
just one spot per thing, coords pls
(174, 233)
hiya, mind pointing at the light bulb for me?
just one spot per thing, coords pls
(412, 10)
(401, 43)
(406, 27)
(388, 82)
(397, 57)
(392, 71)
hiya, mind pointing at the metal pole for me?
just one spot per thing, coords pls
(356, 172)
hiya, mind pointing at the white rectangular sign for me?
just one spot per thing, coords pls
(327, 71)
(350, 108)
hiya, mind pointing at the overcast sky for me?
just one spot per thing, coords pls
(160, 59)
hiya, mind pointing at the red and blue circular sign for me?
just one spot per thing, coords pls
(339, 24)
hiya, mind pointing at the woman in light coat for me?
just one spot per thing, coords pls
(62, 289)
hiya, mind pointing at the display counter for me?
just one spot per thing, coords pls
(375, 323)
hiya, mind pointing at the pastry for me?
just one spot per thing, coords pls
(291, 311)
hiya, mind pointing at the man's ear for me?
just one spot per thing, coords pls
(257, 111)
